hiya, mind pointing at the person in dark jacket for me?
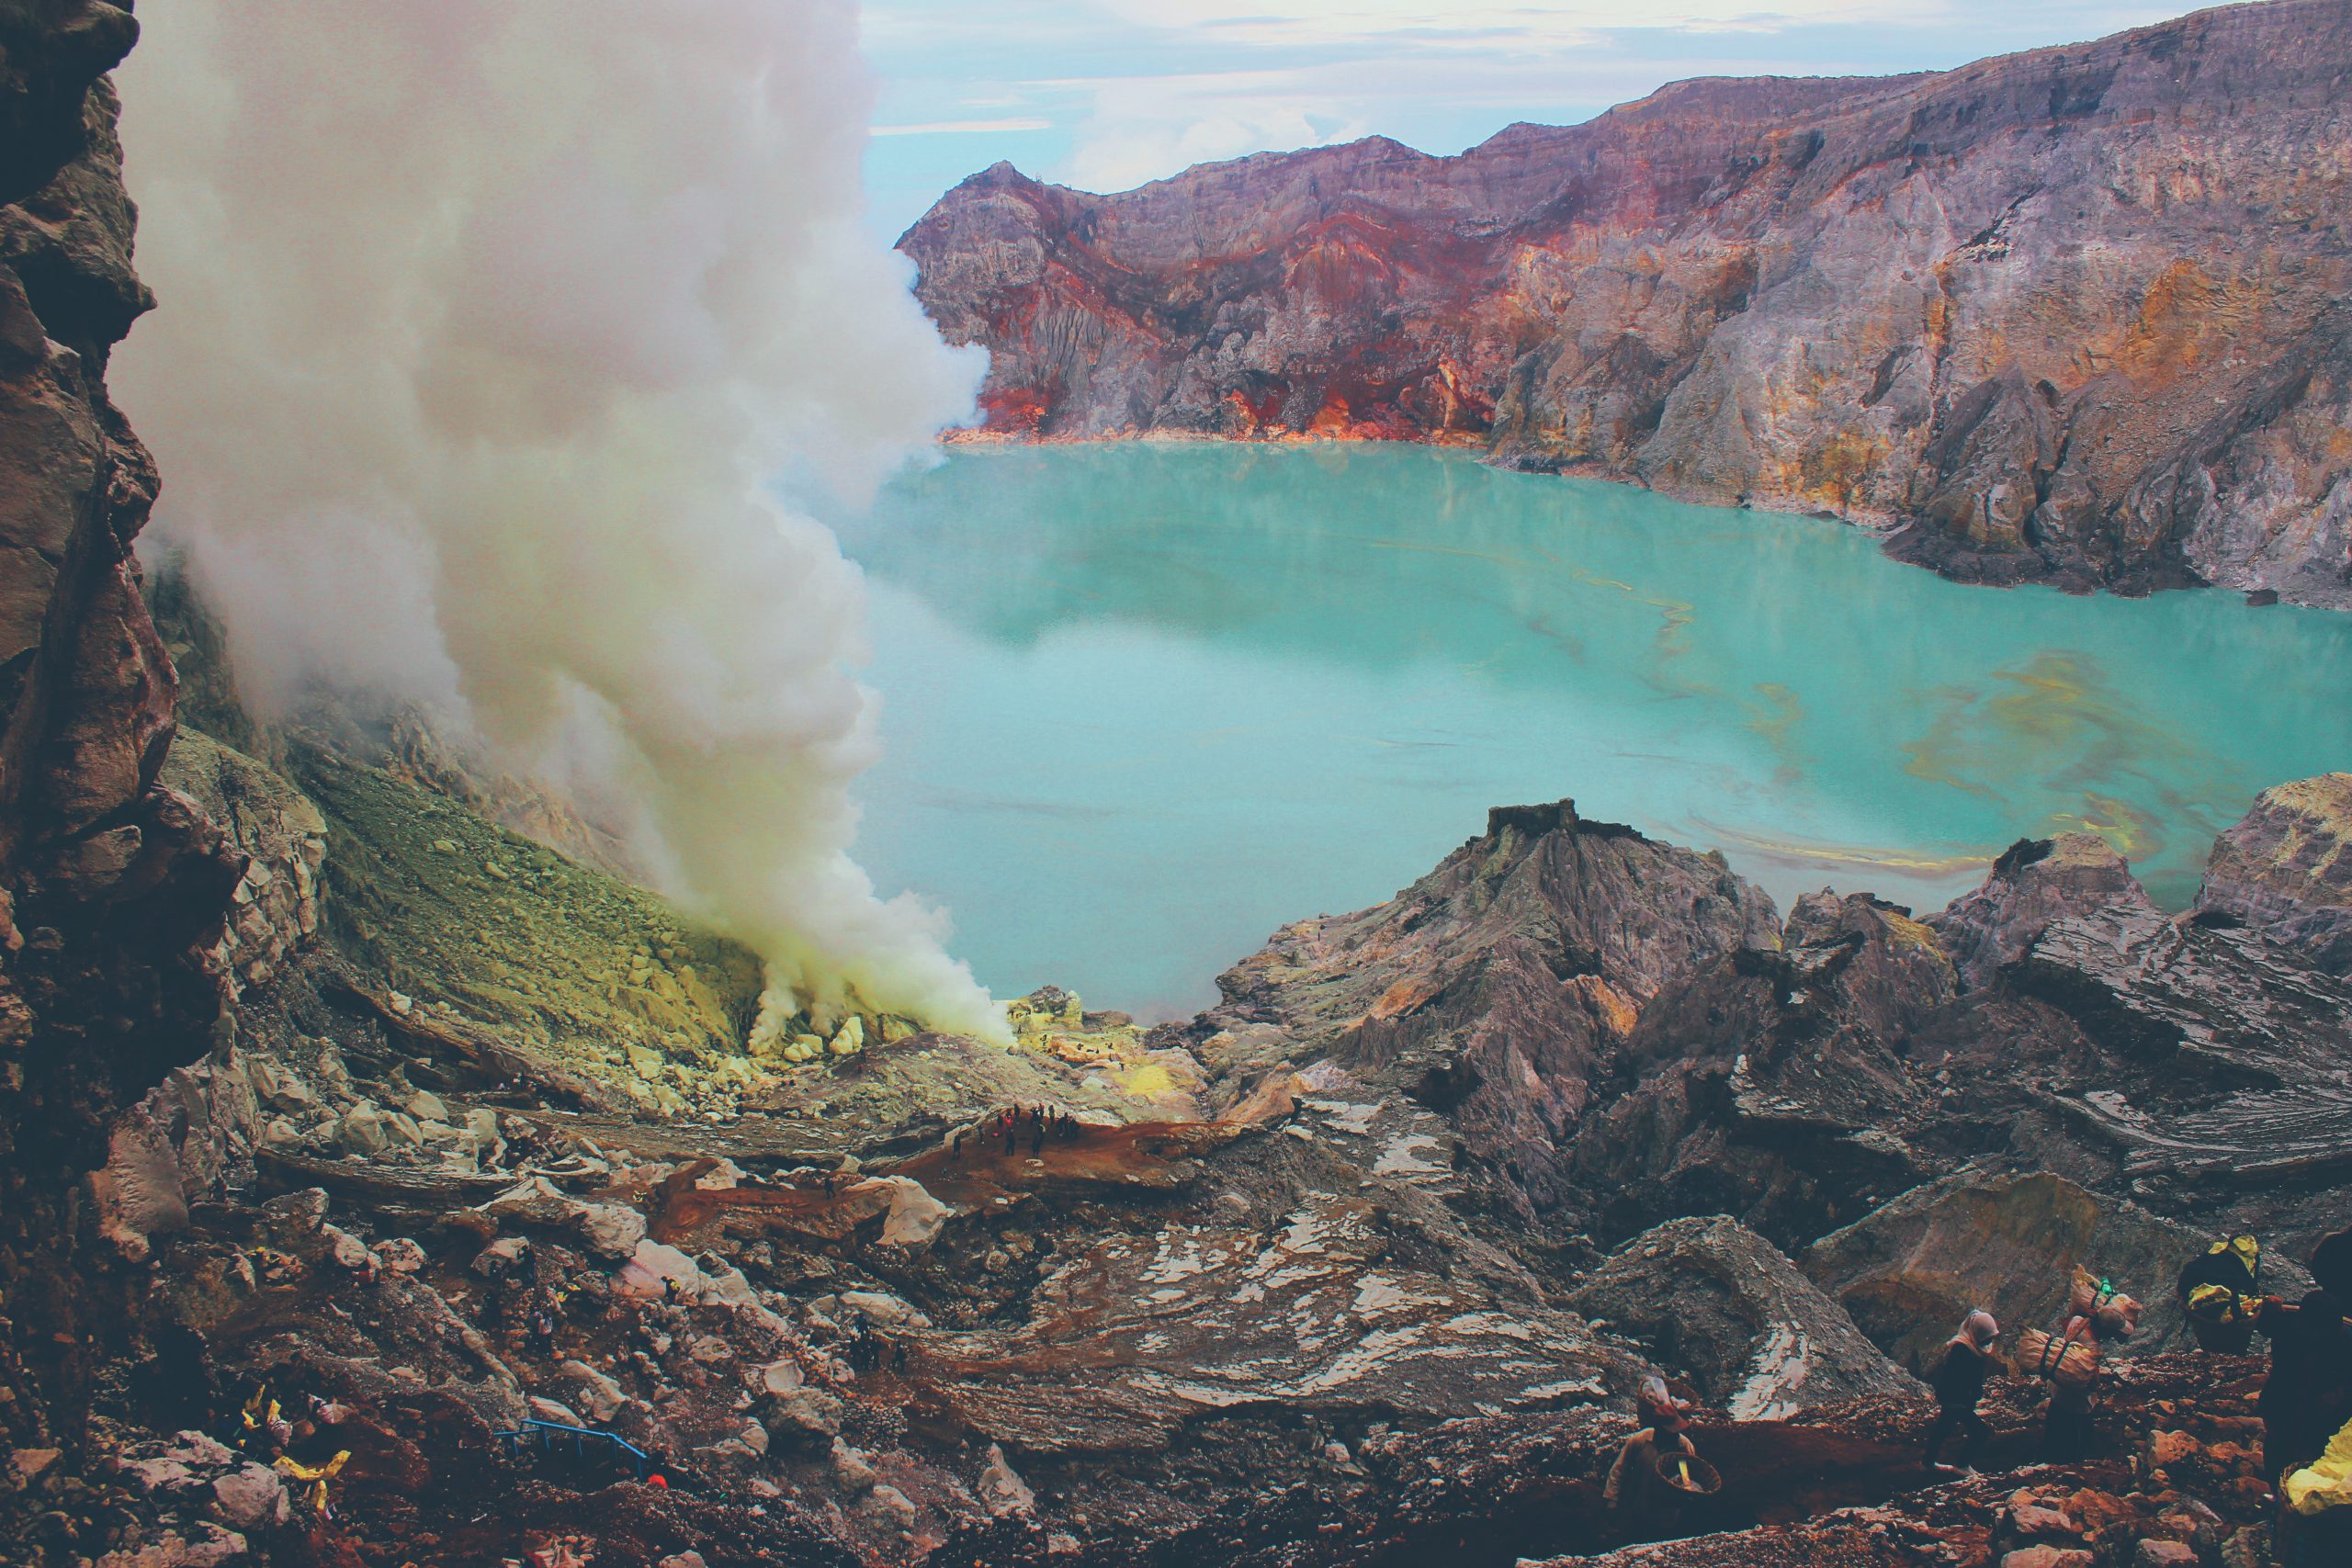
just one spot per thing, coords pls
(1959, 1382)
(2308, 1393)
(2307, 1399)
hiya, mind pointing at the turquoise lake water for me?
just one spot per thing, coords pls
(1144, 703)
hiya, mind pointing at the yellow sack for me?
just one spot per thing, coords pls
(2219, 1303)
(2326, 1482)
(295, 1471)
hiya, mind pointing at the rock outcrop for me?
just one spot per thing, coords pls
(113, 886)
(1723, 1306)
(1598, 1035)
(345, 1135)
(2069, 315)
(2286, 869)
(1494, 988)
(1774, 1086)
(2034, 884)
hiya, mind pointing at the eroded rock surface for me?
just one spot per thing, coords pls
(1755, 1337)
(2286, 869)
(2071, 315)
(113, 887)
(1494, 988)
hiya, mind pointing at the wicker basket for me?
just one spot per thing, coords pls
(1689, 1473)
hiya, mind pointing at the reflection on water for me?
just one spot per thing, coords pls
(1144, 702)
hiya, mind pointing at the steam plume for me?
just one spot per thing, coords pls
(485, 329)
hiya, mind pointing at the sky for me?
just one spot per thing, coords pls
(1106, 94)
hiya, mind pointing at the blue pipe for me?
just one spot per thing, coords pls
(580, 1435)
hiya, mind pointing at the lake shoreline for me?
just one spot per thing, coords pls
(1148, 700)
(1899, 536)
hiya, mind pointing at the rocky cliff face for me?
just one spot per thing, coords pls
(112, 885)
(2286, 871)
(2069, 315)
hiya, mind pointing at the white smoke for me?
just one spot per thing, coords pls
(485, 328)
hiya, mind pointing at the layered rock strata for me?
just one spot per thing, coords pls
(2069, 315)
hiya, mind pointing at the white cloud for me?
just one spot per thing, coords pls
(1143, 128)
(964, 127)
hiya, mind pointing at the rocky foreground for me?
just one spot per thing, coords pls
(1361, 1267)
(383, 1185)
(2074, 315)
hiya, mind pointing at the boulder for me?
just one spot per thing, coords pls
(916, 1217)
(599, 1394)
(401, 1256)
(851, 1468)
(1716, 1303)
(1002, 1491)
(610, 1230)
(2049, 1557)
(363, 1131)
(883, 1309)
(653, 1268)
(1907, 1273)
(278, 1088)
(806, 1412)
(251, 1497)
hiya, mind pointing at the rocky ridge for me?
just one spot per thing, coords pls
(2070, 315)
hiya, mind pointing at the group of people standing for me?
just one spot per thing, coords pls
(1014, 1126)
(2306, 1405)
(2306, 1400)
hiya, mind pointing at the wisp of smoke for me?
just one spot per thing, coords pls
(486, 330)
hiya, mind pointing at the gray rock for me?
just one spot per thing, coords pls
(2033, 884)
(601, 1396)
(2286, 869)
(251, 1497)
(364, 1130)
(850, 1466)
(1711, 1300)
(1002, 1491)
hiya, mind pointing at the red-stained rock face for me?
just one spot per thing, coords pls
(2070, 315)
